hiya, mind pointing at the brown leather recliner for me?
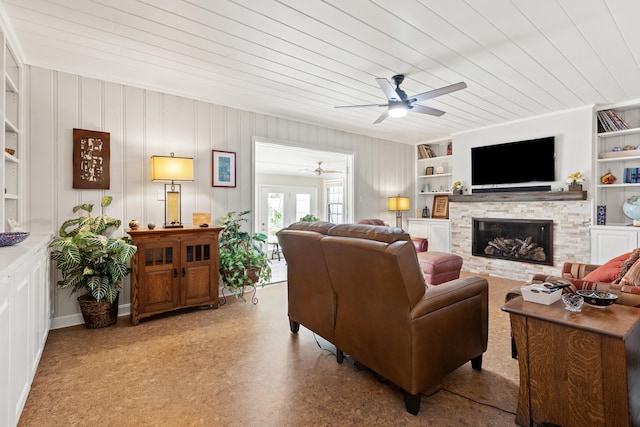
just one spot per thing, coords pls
(310, 296)
(386, 318)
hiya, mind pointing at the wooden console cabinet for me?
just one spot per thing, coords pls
(172, 269)
(576, 369)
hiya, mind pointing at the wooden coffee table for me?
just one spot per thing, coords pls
(577, 369)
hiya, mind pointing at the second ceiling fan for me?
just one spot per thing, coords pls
(320, 170)
(399, 103)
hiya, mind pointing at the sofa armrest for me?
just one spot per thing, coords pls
(577, 270)
(448, 293)
(421, 244)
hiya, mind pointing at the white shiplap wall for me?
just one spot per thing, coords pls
(143, 123)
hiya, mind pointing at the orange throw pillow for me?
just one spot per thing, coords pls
(609, 271)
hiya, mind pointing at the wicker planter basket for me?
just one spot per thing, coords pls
(98, 314)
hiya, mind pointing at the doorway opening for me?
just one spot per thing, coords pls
(292, 181)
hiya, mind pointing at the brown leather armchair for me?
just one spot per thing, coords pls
(310, 296)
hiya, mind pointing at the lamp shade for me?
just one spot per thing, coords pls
(398, 203)
(165, 168)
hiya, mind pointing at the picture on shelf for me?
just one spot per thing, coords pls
(440, 206)
(429, 170)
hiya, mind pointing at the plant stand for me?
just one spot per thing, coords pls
(239, 293)
(251, 277)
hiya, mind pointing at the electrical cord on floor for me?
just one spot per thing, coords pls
(359, 366)
(328, 350)
(470, 400)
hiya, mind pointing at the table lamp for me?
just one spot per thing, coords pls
(398, 204)
(172, 169)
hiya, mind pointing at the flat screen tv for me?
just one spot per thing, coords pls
(532, 160)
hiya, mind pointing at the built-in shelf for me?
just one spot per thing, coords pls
(552, 196)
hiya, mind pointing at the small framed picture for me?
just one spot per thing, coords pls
(429, 170)
(223, 169)
(440, 206)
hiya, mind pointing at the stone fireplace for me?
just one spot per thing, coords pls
(571, 240)
(523, 240)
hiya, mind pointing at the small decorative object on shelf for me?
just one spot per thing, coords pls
(133, 224)
(602, 215)
(575, 181)
(457, 187)
(151, 226)
(608, 178)
(631, 208)
(439, 170)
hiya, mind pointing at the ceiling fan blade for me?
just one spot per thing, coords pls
(382, 117)
(388, 89)
(437, 92)
(358, 106)
(426, 110)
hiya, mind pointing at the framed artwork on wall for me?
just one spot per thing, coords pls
(223, 169)
(440, 206)
(91, 156)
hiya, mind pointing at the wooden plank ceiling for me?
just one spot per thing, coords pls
(298, 59)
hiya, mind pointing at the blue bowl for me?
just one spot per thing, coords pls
(8, 239)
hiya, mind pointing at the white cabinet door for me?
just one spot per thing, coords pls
(20, 365)
(609, 243)
(437, 231)
(440, 237)
(5, 352)
(418, 229)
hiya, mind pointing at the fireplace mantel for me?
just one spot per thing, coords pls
(551, 196)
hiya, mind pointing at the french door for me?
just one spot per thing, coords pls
(280, 206)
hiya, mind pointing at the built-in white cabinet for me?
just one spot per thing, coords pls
(12, 166)
(610, 241)
(617, 152)
(24, 321)
(617, 149)
(434, 172)
(437, 231)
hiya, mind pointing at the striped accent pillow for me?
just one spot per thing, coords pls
(632, 276)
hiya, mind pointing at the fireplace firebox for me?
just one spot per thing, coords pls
(522, 240)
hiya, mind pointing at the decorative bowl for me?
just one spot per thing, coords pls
(597, 298)
(573, 302)
(8, 239)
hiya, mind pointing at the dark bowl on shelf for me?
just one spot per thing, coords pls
(597, 298)
(8, 239)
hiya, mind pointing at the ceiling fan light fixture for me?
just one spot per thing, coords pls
(398, 110)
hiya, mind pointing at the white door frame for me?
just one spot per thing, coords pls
(349, 176)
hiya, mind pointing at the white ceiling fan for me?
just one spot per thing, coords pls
(399, 104)
(320, 171)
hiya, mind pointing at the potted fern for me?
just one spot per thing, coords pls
(92, 261)
(242, 261)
